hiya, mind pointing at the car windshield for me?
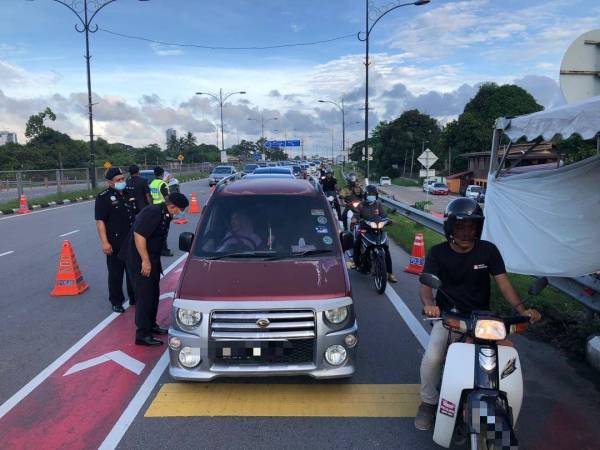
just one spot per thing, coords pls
(439, 185)
(222, 170)
(254, 226)
(297, 169)
(475, 189)
(385, 178)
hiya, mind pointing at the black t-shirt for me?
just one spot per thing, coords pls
(368, 211)
(329, 184)
(465, 276)
(112, 208)
(138, 189)
(152, 223)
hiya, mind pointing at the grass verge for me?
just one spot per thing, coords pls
(565, 324)
(51, 198)
(406, 182)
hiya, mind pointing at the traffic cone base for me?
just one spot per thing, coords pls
(417, 257)
(180, 221)
(69, 280)
(194, 207)
(23, 208)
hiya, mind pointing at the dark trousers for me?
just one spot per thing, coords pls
(147, 294)
(116, 270)
(356, 255)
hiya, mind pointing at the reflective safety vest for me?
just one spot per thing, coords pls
(157, 197)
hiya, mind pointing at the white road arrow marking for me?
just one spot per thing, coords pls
(119, 357)
(167, 295)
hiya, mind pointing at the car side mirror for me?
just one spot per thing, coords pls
(538, 286)
(185, 241)
(347, 240)
(429, 279)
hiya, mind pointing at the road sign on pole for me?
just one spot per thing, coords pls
(427, 158)
(180, 157)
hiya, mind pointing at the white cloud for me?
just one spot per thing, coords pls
(165, 50)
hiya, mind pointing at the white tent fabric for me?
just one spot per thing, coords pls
(582, 118)
(547, 223)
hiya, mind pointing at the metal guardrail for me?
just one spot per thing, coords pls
(585, 289)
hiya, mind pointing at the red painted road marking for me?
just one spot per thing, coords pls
(78, 411)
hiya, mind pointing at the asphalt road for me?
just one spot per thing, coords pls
(411, 195)
(560, 408)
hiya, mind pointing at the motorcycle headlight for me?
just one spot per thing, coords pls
(380, 225)
(372, 224)
(337, 315)
(491, 330)
(330, 198)
(189, 318)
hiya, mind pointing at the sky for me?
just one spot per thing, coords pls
(430, 57)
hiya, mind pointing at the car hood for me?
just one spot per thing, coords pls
(264, 280)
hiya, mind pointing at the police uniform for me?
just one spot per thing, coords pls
(117, 213)
(159, 189)
(153, 224)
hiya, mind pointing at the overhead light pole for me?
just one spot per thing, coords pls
(86, 16)
(365, 38)
(221, 99)
(340, 106)
(262, 121)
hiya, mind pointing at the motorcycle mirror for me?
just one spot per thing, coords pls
(538, 286)
(429, 279)
(185, 241)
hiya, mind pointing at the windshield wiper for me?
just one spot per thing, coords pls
(301, 254)
(249, 254)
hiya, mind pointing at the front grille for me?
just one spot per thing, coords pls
(237, 337)
(244, 325)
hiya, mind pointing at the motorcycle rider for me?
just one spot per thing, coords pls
(329, 184)
(372, 207)
(464, 264)
(351, 193)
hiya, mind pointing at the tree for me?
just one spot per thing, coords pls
(35, 125)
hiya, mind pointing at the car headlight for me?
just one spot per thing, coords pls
(336, 355)
(337, 315)
(188, 317)
(492, 330)
(189, 357)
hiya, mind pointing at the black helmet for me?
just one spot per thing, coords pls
(371, 189)
(462, 209)
(352, 180)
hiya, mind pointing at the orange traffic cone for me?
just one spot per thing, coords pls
(23, 208)
(69, 280)
(194, 207)
(417, 258)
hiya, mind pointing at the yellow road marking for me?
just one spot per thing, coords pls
(286, 400)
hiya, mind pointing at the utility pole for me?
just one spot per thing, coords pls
(412, 161)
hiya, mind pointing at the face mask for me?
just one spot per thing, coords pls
(371, 198)
(181, 215)
(120, 186)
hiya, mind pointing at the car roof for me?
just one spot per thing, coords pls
(288, 176)
(269, 186)
(224, 167)
(283, 170)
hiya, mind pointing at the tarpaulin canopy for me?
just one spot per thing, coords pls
(581, 118)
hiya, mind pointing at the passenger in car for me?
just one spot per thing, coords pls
(241, 236)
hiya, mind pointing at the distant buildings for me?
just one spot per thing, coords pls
(171, 134)
(8, 137)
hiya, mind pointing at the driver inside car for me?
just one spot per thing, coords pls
(240, 236)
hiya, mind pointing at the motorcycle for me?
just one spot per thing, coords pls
(482, 383)
(351, 209)
(372, 253)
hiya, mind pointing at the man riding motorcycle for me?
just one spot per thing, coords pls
(464, 264)
(329, 184)
(352, 195)
(369, 208)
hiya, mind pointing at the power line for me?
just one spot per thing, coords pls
(216, 47)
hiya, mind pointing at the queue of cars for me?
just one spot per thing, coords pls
(227, 322)
(298, 169)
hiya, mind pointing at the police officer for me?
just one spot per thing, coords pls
(142, 254)
(137, 189)
(114, 215)
(159, 189)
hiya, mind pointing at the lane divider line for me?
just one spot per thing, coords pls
(411, 321)
(7, 253)
(44, 374)
(69, 233)
(120, 428)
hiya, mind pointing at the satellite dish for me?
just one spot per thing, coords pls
(580, 68)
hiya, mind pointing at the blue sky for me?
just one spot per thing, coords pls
(431, 57)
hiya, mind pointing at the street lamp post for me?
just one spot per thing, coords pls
(221, 101)
(86, 17)
(341, 108)
(365, 39)
(262, 121)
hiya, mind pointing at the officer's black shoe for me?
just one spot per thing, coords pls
(166, 252)
(149, 341)
(159, 330)
(118, 309)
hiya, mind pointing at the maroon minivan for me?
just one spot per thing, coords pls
(265, 288)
